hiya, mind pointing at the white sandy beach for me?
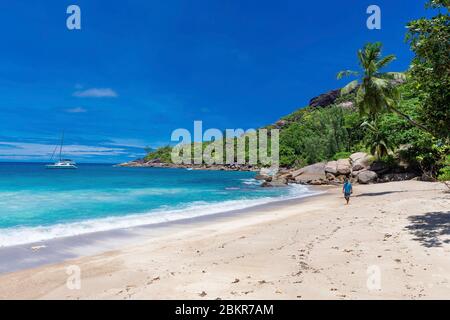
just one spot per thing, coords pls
(319, 249)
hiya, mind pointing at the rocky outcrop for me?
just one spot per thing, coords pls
(281, 123)
(331, 168)
(338, 170)
(347, 105)
(367, 176)
(278, 182)
(359, 167)
(325, 99)
(343, 167)
(360, 161)
(312, 174)
(379, 167)
(272, 178)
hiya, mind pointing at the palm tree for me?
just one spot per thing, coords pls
(376, 92)
(377, 142)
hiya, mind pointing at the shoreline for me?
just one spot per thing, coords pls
(165, 212)
(319, 249)
(140, 163)
(55, 250)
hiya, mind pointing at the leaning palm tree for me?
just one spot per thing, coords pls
(376, 92)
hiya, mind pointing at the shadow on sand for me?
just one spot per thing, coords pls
(430, 228)
(374, 194)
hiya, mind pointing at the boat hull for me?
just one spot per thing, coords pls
(60, 167)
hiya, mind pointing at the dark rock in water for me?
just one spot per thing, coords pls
(266, 184)
(287, 176)
(263, 177)
(279, 182)
(325, 99)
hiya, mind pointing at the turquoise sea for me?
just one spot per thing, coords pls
(39, 204)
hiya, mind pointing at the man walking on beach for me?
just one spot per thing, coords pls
(347, 189)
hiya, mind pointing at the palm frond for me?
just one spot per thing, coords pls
(346, 73)
(393, 76)
(349, 87)
(383, 62)
(369, 125)
(362, 59)
(380, 83)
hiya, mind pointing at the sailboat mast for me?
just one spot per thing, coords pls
(60, 148)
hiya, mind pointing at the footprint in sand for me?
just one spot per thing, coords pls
(153, 280)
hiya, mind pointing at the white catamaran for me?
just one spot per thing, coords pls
(62, 163)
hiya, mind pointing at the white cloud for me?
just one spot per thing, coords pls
(130, 143)
(96, 93)
(76, 110)
(22, 149)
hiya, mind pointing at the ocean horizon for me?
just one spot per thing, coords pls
(37, 204)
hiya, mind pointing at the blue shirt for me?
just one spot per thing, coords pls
(347, 187)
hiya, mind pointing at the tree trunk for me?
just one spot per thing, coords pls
(413, 122)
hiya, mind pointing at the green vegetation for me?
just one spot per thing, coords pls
(444, 173)
(163, 154)
(399, 117)
(318, 135)
(342, 155)
(377, 140)
(430, 71)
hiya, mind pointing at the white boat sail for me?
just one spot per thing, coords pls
(62, 163)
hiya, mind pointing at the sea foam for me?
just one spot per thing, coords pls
(22, 235)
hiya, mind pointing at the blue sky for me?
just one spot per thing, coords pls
(137, 70)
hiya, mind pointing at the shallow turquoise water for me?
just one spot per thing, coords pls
(38, 204)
